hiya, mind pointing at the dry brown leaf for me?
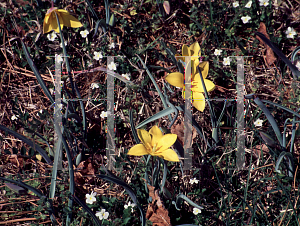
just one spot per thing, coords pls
(257, 149)
(156, 211)
(179, 131)
(84, 169)
(269, 52)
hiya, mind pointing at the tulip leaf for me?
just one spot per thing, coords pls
(292, 165)
(113, 178)
(27, 141)
(293, 68)
(16, 188)
(269, 140)
(186, 225)
(36, 72)
(158, 115)
(294, 54)
(87, 209)
(270, 119)
(282, 107)
(38, 193)
(112, 20)
(183, 197)
(136, 138)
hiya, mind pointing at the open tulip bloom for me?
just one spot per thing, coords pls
(65, 19)
(177, 79)
(156, 144)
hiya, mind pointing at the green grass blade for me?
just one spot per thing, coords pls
(84, 122)
(92, 10)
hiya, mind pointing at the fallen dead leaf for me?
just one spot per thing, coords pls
(179, 131)
(257, 149)
(156, 211)
(269, 52)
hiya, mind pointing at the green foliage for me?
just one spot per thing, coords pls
(146, 40)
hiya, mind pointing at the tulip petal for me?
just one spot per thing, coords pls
(195, 49)
(69, 20)
(46, 25)
(138, 150)
(204, 67)
(198, 101)
(156, 135)
(197, 85)
(145, 138)
(165, 142)
(170, 155)
(185, 51)
(175, 79)
(61, 22)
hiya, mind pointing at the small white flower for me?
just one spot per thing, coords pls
(84, 33)
(14, 117)
(103, 114)
(126, 76)
(298, 65)
(248, 5)
(102, 214)
(66, 43)
(90, 198)
(290, 32)
(245, 19)
(112, 66)
(218, 52)
(196, 211)
(40, 112)
(89, 63)
(132, 205)
(97, 55)
(94, 86)
(112, 45)
(51, 91)
(258, 122)
(226, 61)
(194, 181)
(264, 3)
(51, 36)
(59, 58)
(235, 4)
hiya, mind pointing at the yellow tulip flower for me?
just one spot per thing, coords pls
(65, 19)
(177, 79)
(156, 144)
(193, 51)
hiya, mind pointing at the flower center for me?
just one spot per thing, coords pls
(154, 149)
